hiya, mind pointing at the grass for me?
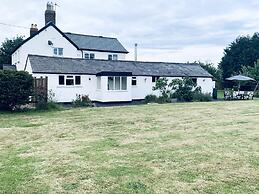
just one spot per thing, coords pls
(172, 148)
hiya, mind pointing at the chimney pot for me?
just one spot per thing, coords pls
(33, 29)
(50, 14)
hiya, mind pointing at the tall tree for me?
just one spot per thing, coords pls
(252, 72)
(6, 49)
(243, 51)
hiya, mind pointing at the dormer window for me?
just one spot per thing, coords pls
(58, 51)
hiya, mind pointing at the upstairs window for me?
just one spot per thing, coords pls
(58, 51)
(69, 80)
(134, 81)
(113, 57)
(117, 83)
(89, 56)
(92, 56)
(155, 78)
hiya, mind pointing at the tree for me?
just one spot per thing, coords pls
(243, 51)
(7, 48)
(252, 72)
(15, 89)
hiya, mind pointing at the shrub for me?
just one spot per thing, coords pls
(151, 99)
(82, 101)
(200, 97)
(15, 89)
(184, 89)
(46, 104)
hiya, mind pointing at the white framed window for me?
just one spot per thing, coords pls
(58, 51)
(134, 81)
(113, 57)
(99, 84)
(89, 56)
(69, 80)
(117, 83)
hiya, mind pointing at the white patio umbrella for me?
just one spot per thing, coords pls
(240, 78)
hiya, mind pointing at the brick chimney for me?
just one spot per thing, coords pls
(33, 29)
(50, 14)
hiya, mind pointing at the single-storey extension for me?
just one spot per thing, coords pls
(110, 80)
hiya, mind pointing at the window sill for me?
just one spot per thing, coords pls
(116, 91)
(70, 86)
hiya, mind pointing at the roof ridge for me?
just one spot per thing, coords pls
(89, 35)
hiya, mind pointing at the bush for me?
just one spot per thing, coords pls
(184, 89)
(151, 99)
(200, 97)
(46, 104)
(82, 101)
(15, 89)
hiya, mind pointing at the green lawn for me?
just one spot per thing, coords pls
(173, 148)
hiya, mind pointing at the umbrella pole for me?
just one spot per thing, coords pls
(256, 87)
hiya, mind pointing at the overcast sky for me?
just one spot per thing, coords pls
(166, 30)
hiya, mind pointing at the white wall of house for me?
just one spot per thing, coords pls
(104, 55)
(63, 93)
(38, 45)
(207, 85)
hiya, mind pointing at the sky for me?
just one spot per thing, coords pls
(165, 30)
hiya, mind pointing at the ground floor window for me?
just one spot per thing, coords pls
(117, 83)
(69, 80)
(99, 86)
(134, 81)
(155, 78)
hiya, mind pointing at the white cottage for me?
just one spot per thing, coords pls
(110, 81)
(77, 64)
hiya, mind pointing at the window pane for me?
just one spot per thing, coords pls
(110, 83)
(124, 83)
(134, 81)
(78, 80)
(61, 80)
(92, 56)
(69, 82)
(87, 56)
(115, 57)
(99, 83)
(117, 83)
(55, 51)
(60, 51)
(109, 57)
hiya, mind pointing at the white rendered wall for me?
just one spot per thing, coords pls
(145, 86)
(104, 55)
(207, 85)
(38, 45)
(68, 93)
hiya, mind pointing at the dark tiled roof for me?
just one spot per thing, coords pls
(96, 43)
(55, 65)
